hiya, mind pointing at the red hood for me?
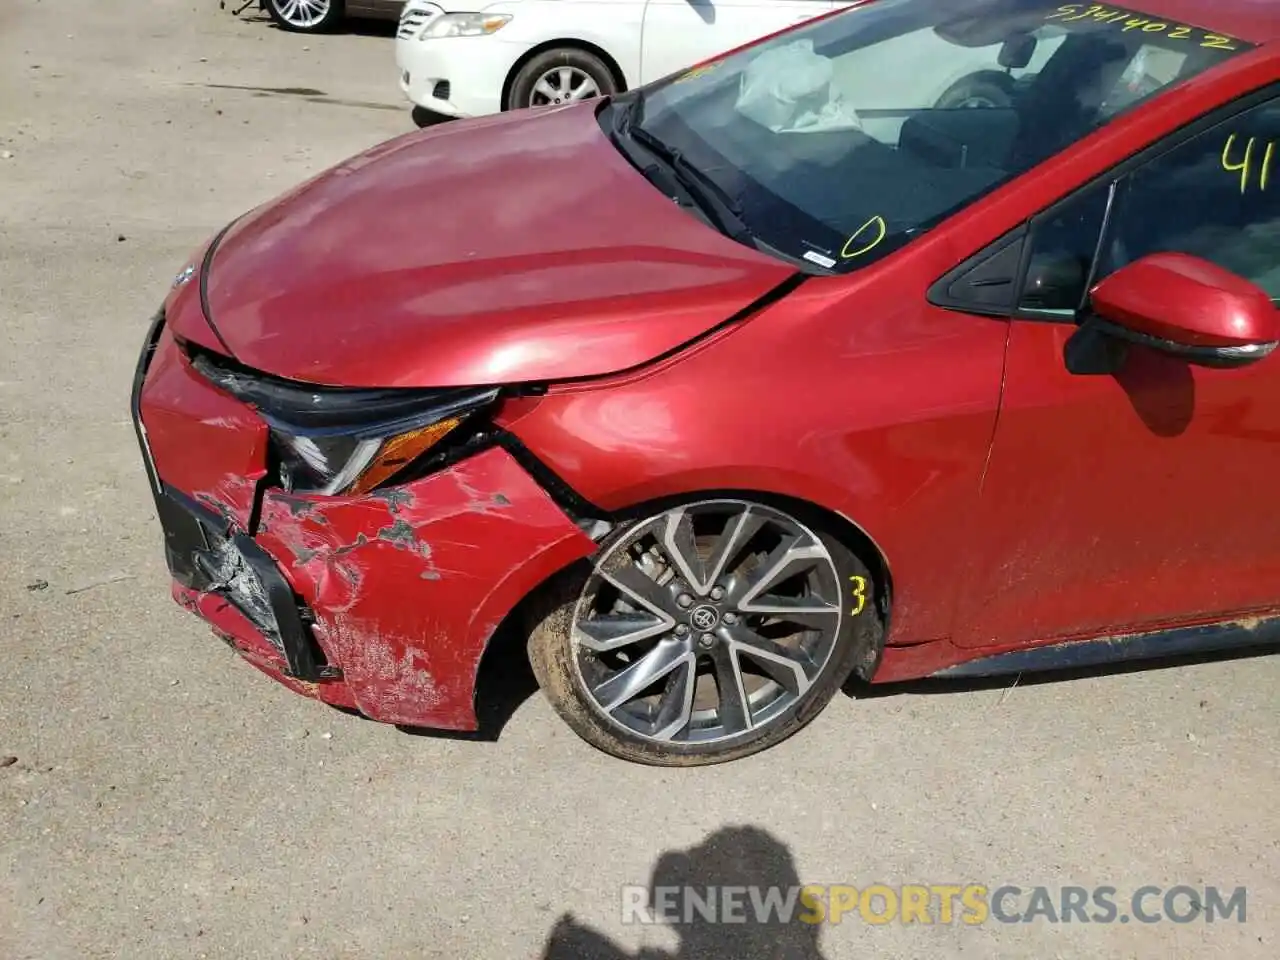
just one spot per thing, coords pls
(514, 248)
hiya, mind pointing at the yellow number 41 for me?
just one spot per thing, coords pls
(1244, 167)
(859, 594)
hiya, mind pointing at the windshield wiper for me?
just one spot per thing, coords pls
(675, 174)
(704, 192)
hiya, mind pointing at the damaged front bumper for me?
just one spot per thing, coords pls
(383, 602)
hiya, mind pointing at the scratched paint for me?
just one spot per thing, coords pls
(407, 589)
(407, 585)
(402, 534)
(233, 628)
(395, 498)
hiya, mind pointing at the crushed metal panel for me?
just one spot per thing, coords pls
(407, 586)
(233, 628)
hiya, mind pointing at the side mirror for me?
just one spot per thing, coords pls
(1055, 281)
(1189, 308)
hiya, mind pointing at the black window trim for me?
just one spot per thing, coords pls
(939, 293)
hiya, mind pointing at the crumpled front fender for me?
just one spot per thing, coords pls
(407, 585)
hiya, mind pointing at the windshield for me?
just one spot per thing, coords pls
(841, 141)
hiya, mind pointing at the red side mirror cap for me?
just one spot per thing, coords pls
(1187, 301)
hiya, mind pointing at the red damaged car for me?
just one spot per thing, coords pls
(752, 379)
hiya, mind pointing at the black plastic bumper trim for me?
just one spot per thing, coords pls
(300, 648)
(188, 527)
(191, 530)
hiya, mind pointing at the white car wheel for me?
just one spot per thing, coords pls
(558, 76)
(305, 16)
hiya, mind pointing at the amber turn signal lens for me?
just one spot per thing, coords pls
(398, 452)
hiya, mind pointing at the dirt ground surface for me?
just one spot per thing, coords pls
(166, 800)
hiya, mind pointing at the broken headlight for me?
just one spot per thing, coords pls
(333, 440)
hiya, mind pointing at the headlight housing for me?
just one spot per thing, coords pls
(465, 25)
(354, 462)
(331, 440)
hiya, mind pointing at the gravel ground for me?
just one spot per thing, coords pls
(168, 801)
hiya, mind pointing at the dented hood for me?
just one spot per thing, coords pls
(512, 248)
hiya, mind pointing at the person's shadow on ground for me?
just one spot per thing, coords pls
(730, 857)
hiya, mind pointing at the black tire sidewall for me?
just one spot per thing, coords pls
(984, 85)
(858, 649)
(337, 10)
(527, 76)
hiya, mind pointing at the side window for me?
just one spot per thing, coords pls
(1064, 243)
(1216, 197)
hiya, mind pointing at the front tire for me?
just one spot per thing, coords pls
(705, 633)
(306, 16)
(561, 75)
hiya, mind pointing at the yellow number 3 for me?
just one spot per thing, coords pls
(859, 594)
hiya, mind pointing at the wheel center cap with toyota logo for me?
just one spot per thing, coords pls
(704, 617)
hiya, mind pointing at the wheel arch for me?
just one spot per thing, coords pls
(507, 640)
(572, 43)
(845, 529)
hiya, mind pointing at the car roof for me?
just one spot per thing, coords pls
(1254, 21)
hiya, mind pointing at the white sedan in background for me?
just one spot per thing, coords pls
(460, 59)
(465, 59)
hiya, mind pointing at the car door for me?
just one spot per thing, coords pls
(680, 33)
(1116, 502)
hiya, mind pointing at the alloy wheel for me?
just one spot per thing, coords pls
(706, 623)
(303, 14)
(561, 85)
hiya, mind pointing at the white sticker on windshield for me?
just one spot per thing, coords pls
(819, 259)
